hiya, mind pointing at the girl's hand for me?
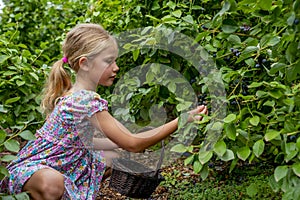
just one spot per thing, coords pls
(195, 113)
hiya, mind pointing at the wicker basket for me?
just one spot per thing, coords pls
(133, 179)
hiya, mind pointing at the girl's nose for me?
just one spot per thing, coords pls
(115, 67)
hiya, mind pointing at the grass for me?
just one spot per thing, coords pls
(244, 183)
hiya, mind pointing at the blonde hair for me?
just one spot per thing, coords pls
(84, 40)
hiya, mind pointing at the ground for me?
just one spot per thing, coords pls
(161, 192)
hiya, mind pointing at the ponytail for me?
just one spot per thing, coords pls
(58, 83)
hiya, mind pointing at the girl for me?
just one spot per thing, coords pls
(60, 162)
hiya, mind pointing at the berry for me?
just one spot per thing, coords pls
(292, 138)
(192, 81)
(236, 81)
(244, 93)
(257, 65)
(238, 54)
(233, 102)
(186, 154)
(204, 27)
(296, 21)
(227, 59)
(264, 60)
(245, 28)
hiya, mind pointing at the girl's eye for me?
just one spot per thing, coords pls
(109, 61)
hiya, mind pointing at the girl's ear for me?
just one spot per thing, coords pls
(83, 63)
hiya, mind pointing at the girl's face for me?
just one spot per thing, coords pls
(104, 67)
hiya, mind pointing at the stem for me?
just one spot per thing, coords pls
(15, 135)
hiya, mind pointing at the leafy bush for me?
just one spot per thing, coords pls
(253, 43)
(30, 40)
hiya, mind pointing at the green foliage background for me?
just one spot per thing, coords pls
(254, 43)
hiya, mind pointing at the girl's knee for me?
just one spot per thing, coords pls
(45, 184)
(52, 187)
(109, 156)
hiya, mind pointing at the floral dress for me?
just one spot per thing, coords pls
(64, 143)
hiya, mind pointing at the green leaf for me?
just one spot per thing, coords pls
(2, 136)
(7, 198)
(290, 155)
(188, 19)
(255, 84)
(204, 172)
(34, 76)
(296, 168)
(229, 26)
(225, 8)
(290, 20)
(197, 166)
(280, 172)
(12, 100)
(183, 106)
(168, 19)
(271, 134)
(179, 148)
(177, 13)
(291, 52)
(220, 148)
(172, 87)
(250, 49)
(183, 119)
(12, 145)
(254, 120)
(243, 153)
(273, 41)
(22, 196)
(252, 189)
(135, 54)
(269, 103)
(226, 28)
(230, 118)
(234, 39)
(296, 5)
(229, 155)
(27, 135)
(265, 4)
(292, 72)
(298, 143)
(4, 171)
(2, 109)
(276, 93)
(204, 156)
(189, 160)
(8, 158)
(258, 147)
(276, 67)
(20, 83)
(3, 58)
(230, 131)
(250, 62)
(261, 94)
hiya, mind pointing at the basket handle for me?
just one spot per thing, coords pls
(161, 157)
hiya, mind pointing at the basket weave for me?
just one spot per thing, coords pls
(133, 179)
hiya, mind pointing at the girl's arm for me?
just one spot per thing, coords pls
(104, 144)
(122, 137)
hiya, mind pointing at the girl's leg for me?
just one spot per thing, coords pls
(45, 184)
(109, 155)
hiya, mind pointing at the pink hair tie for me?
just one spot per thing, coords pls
(65, 59)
